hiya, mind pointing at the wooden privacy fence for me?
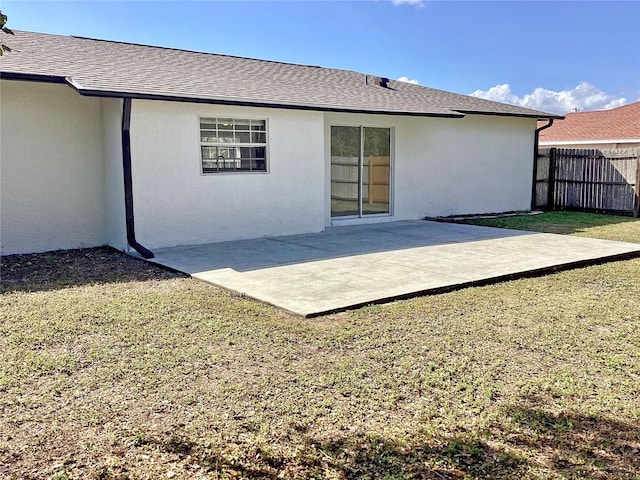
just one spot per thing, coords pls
(605, 181)
(345, 180)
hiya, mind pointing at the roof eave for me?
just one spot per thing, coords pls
(537, 115)
(29, 77)
(455, 113)
(32, 77)
(251, 103)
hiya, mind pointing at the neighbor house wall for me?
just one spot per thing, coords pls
(176, 205)
(52, 179)
(442, 166)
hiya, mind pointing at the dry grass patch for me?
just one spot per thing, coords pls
(145, 374)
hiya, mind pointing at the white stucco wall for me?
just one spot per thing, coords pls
(440, 167)
(51, 170)
(61, 180)
(116, 234)
(176, 205)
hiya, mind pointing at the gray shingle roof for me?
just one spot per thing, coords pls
(108, 68)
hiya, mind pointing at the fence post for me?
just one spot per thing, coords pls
(636, 210)
(552, 179)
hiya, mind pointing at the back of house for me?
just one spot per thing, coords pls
(135, 146)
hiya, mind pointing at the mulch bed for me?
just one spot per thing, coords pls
(63, 268)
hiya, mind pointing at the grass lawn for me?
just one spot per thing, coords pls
(609, 227)
(111, 368)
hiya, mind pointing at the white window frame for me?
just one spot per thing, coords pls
(226, 144)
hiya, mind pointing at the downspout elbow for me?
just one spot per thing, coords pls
(537, 137)
(544, 127)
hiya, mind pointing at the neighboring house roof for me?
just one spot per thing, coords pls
(108, 68)
(621, 123)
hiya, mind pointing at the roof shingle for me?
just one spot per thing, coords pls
(617, 123)
(108, 68)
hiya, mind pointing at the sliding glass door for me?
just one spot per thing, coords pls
(360, 171)
(345, 171)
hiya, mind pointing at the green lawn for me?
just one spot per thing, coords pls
(609, 227)
(114, 369)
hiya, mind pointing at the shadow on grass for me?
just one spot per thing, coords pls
(532, 441)
(352, 457)
(576, 446)
(462, 456)
(355, 457)
(68, 268)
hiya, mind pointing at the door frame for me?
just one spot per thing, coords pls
(360, 217)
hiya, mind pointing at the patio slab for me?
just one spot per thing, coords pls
(351, 266)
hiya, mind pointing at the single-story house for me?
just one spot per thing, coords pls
(144, 147)
(601, 129)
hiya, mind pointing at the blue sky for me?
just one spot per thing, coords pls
(550, 55)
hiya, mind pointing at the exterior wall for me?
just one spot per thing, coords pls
(441, 167)
(116, 232)
(61, 172)
(176, 205)
(52, 177)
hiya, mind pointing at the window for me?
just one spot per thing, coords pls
(232, 145)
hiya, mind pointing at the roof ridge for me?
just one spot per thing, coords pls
(619, 107)
(605, 110)
(122, 42)
(226, 55)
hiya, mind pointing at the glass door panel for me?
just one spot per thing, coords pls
(345, 171)
(360, 171)
(376, 172)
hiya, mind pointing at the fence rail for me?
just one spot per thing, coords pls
(606, 181)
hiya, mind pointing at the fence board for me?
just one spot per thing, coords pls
(541, 180)
(594, 180)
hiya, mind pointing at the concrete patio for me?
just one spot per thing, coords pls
(347, 267)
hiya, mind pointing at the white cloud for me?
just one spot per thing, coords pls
(406, 80)
(417, 3)
(584, 97)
